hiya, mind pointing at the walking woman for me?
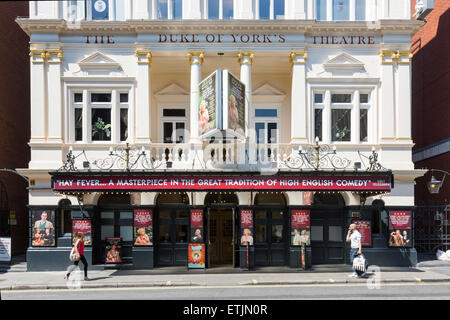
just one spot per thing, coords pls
(79, 248)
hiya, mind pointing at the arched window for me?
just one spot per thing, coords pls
(276, 198)
(172, 198)
(377, 210)
(113, 199)
(221, 198)
(65, 216)
(335, 199)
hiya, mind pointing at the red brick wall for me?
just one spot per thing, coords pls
(431, 94)
(15, 114)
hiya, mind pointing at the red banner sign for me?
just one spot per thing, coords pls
(300, 219)
(399, 220)
(364, 227)
(246, 218)
(201, 183)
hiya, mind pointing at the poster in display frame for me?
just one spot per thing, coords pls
(300, 227)
(247, 229)
(113, 250)
(233, 92)
(196, 256)
(210, 104)
(143, 227)
(43, 228)
(364, 227)
(5, 249)
(197, 229)
(400, 228)
(84, 226)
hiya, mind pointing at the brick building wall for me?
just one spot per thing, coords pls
(15, 116)
(431, 101)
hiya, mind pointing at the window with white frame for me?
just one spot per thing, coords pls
(266, 125)
(123, 115)
(271, 9)
(106, 112)
(341, 111)
(173, 122)
(318, 103)
(341, 10)
(220, 9)
(100, 106)
(343, 116)
(77, 107)
(364, 105)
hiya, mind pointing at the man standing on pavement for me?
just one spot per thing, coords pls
(354, 237)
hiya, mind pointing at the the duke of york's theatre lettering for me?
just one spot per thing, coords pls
(242, 38)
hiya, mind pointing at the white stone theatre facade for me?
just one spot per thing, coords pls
(206, 133)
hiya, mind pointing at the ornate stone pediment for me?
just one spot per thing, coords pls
(172, 93)
(267, 92)
(344, 62)
(99, 62)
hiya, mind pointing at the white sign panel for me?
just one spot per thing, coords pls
(5, 249)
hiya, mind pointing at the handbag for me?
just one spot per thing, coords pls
(359, 263)
(74, 256)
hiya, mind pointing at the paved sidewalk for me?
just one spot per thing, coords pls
(215, 277)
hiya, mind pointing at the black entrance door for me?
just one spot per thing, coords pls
(327, 236)
(172, 235)
(115, 223)
(271, 240)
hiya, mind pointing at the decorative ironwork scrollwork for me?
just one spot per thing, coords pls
(121, 157)
(317, 157)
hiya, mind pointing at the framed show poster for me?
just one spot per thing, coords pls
(143, 227)
(400, 229)
(197, 226)
(196, 255)
(365, 228)
(208, 105)
(300, 227)
(83, 226)
(113, 250)
(307, 198)
(43, 228)
(246, 227)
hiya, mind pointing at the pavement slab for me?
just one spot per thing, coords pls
(179, 277)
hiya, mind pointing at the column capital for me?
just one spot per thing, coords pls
(246, 57)
(404, 56)
(388, 56)
(38, 55)
(196, 57)
(298, 57)
(143, 56)
(54, 55)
